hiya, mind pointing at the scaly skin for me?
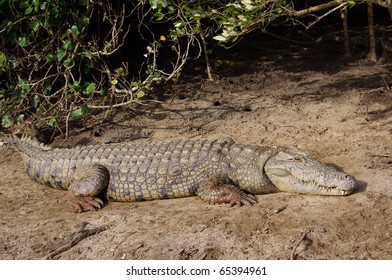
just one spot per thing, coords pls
(219, 171)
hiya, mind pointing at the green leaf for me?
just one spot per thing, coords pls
(74, 29)
(90, 88)
(49, 58)
(120, 71)
(69, 63)
(44, 6)
(35, 102)
(7, 121)
(36, 3)
(76, 113)
(49, 30)
(3, 62)
(41, 110)
(6, 24)
(29, 10)
(53, 122)
(234, 39)
(23, 42)
(76, 86)
(67, 45)
(85, 109)
(179, 24)
(61, 54)
(35, 26)
(158, 16)
(140, 94)
(24, 4)
(24, 85)
(84, 21)
(103, 91)
(220, 38)
(20, 118)
(158, 3)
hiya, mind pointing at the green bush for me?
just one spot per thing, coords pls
(60, 60)
(52, 63)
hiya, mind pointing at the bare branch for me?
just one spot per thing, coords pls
(386, 3)
(341, 6)
(317, 8)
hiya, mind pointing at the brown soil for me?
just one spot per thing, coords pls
(339, 110)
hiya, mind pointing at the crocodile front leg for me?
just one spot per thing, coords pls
(217, 190)
(88, 182)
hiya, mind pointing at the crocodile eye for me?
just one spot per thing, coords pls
(295, 159)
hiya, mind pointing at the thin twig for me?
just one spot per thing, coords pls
(315, 8)
(77, 237)
(341, 6)
(204, 44)
(298, 243)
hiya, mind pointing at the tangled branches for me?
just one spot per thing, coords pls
(51, 64)
(61, 60)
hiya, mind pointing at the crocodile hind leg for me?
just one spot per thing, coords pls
(88, 181)
(218, 190)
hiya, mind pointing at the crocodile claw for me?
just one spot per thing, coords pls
(83, 204)
(243, 199)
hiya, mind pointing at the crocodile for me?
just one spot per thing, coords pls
(218, 171)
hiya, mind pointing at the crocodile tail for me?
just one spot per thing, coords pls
(27, 146)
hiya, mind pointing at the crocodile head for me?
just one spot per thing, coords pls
(293, 170)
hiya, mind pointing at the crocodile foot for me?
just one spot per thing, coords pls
(217, 190)
(242, 198)
(83, 204)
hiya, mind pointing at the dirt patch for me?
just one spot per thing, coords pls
(338, 110)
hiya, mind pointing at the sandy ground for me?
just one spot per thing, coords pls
(339, 110)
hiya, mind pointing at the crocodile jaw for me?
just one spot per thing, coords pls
(293, 170)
